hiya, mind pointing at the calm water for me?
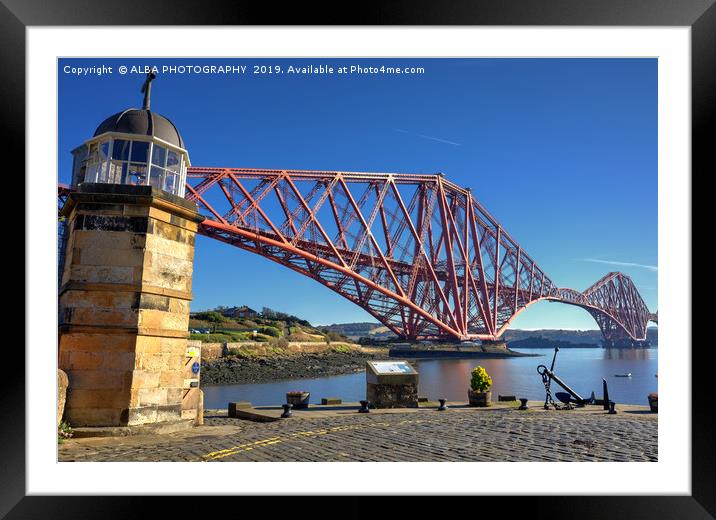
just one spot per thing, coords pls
(581, 369)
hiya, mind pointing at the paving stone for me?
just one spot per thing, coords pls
(485, 435)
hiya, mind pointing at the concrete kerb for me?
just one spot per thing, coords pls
(273, 413)
(158, 428)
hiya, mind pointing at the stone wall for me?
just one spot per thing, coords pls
(124, 304)
(211, 351)
(392, 396)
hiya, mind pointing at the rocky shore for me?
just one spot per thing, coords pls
(242, 370)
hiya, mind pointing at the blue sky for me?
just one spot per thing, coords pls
(563, 152)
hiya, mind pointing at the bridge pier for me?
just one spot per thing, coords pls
(124, 304)
(493, 343)
(626, 343)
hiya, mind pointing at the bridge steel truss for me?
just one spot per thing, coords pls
(616, 305)
(417, 252)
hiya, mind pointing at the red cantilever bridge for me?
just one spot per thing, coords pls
(417, 252)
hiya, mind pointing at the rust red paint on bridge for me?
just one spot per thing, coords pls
(417, 252)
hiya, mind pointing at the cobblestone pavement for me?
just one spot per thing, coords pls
(453, 435)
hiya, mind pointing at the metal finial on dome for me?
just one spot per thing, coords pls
(134, 146)
(147, 89)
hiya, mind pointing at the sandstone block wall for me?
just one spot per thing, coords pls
(124, 304)
(211, 351)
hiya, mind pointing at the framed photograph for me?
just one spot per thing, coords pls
(284, 239)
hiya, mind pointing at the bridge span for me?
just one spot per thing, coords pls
(417, 252)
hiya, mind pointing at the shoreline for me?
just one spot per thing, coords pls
(235, 370)
(260, 369)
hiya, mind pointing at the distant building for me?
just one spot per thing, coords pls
(239, 312)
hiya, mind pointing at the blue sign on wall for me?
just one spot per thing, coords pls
(195, 367)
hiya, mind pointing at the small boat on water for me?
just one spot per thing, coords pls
(623, 375)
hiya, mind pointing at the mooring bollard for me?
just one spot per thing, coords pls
(286, 410)
(442, 405)
(363, 407)
(612, 410)
(523, 406)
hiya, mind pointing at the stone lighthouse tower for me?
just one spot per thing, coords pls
(126, 282)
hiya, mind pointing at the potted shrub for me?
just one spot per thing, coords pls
(480, 384)
(298, 398)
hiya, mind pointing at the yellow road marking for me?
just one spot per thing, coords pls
(244, 447)
(220, 454)
(240, 447)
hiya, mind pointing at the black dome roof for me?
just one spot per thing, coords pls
(141, 122)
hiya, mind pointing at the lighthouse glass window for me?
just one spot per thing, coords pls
(79, 165)
(127, 161)
(137, 171)
(118, 164)
(166, 165)
(97, 162)
(127, 164)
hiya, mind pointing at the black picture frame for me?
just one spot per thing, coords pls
(699, 15)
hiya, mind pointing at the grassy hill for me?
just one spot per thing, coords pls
(265, 327)
(356, 331)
